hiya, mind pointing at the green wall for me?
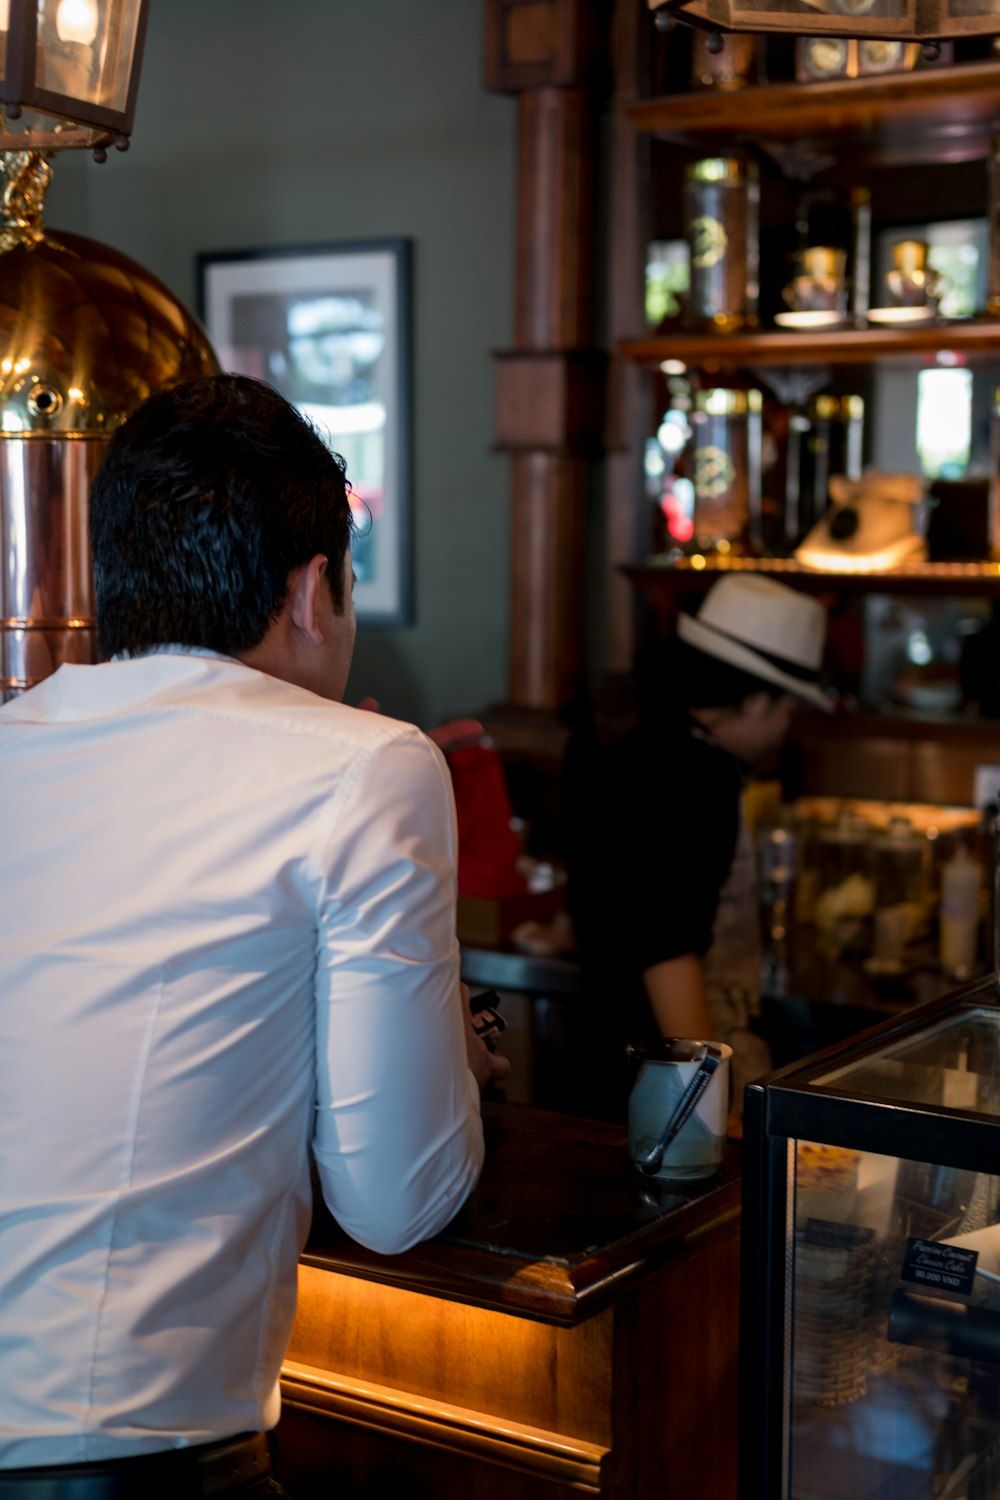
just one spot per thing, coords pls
(263, 124)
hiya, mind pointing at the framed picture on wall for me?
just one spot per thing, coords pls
(329, 327)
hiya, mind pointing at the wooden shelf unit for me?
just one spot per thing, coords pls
(967, 339)
(939, 114)
(933, 115)
(662, 579)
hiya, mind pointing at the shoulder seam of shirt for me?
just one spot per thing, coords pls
(350, 778)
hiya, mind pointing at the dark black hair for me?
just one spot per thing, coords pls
(209, 495)
(673, 677)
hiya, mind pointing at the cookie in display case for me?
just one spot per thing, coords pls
(870, 1338)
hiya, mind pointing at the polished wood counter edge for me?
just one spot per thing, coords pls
(552, 1455)
(557, 1228)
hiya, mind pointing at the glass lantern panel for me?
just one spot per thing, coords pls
(86, 49)
(958, 10)
(893, 1329)
(955, 1063)
(813, 16)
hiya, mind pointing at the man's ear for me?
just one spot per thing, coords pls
(305, 597)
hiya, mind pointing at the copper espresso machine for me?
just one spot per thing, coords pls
(85, 335)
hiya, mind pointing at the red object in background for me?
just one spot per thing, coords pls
(488, 847)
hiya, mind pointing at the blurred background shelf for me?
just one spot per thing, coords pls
(939, 115)
(969, 338)
(664, 580)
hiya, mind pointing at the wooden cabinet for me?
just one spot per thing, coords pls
(923, 141)
(574, 408)
(574, 1331)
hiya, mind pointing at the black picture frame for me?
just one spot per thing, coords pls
(329, 326)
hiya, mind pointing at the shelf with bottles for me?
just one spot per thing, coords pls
(748, 268)
(792, 247)
(759, 191)
(939, 114)
(971, 338)
(877, 483)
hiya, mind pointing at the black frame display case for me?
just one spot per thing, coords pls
(815, 1422)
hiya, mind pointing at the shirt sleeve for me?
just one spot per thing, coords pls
(398, 1140)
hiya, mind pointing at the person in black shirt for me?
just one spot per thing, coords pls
(662, 882)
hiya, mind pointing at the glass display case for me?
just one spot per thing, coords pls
(870, 1338)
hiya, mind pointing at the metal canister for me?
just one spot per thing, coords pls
(726, 460)
(85, 335)
(721, 213)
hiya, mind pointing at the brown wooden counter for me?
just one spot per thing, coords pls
(573, 1330)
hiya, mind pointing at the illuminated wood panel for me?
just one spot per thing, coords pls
(477, 1365)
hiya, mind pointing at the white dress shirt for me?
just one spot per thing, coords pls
(226, 932)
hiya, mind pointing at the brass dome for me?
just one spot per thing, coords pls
(85, 335)
(85, 332)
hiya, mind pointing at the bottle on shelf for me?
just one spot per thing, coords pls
(961, 882)
(827, 438)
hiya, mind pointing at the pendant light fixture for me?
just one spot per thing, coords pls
(69, 73)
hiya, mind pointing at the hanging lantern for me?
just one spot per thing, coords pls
(69, 72)
(902, 20)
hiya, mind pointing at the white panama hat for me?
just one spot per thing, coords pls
(764, 628)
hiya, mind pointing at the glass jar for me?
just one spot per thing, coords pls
(725, 457)
(807, 875)
(778, 860)
(900, 869)
(900, 865)
(721, 199)
(846, 902)
(843, 851)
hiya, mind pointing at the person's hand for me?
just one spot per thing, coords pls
(487, 1067)
(446, 736)
(456, 732)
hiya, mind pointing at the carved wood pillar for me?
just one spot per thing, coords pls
(550, 384)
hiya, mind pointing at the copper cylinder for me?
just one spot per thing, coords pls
(85, 335)
(48, 605)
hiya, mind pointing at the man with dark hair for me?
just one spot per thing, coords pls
(237, 491)
(227, 936)
(663, 884)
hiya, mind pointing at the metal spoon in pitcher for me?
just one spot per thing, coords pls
(708, 1060)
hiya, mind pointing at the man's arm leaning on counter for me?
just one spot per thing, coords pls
(398, 1138)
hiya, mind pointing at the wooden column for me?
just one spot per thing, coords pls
(627, 523)
(550, 384)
